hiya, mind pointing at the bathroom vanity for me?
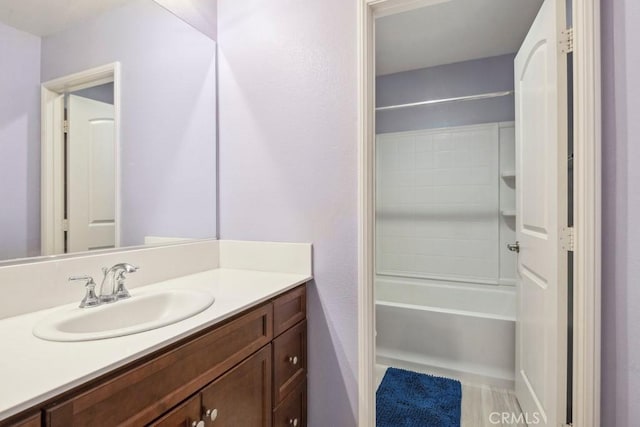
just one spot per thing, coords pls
(241, 361)
(249, 370)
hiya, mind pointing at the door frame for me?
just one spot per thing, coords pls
(52, 150)
(587, 206)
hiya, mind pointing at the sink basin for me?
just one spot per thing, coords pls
(141, 312)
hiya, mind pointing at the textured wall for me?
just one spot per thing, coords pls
(168, 163)
(621, 213)
(288, 143)
(19, 144)
(202, 14)
(446, 81)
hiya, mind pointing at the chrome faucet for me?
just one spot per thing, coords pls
(112, 287)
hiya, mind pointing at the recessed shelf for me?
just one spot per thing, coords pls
(509, 174)
(508, 212)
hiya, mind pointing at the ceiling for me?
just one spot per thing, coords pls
(45, 17)
(451, 31)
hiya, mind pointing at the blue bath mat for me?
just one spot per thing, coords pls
(410, 399)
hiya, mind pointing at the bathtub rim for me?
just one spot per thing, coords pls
(436, 309)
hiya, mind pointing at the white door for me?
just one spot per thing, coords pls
(91, 194)
(541, 162)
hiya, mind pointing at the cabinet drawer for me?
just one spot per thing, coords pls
(145, 392)
(289, 309)
(241, 397)
(292, 412)
(182, 416)
(289, 361)
(32, 421)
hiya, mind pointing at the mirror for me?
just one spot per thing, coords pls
(108, 128)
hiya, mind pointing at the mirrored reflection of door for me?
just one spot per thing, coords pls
(91, 192)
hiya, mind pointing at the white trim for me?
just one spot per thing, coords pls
(52, 178)
(587, 208)
(366, 210)
(117, 114)
(587, 190)
(84, 79)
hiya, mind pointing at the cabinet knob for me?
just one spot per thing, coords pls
(212, 414)
(293, 422)
(293, 360)
(199, 423)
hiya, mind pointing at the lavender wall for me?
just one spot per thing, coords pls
(103, 93)
(446, 81)
(288, 143)
(168, 163)
(202, 14)
(19, 144)
(621, 213)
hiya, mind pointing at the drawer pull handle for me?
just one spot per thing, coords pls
(197, 424)
(293, 360)
(293, 422)
(212, 414)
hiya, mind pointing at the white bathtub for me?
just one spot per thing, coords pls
(462, 331)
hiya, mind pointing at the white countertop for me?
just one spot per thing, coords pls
(33, 370)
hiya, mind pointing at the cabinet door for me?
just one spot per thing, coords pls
(186, 415)
(241, 397)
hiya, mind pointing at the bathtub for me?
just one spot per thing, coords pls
(461, 331)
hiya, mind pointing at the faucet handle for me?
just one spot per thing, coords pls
(121, 290)
(90, 299)
(88, 279)
(122, 270)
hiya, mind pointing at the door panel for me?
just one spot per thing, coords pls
(241, 397)
(91, 175)
(541, 129)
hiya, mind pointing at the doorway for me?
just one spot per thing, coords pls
(432, 251)
(80, 161)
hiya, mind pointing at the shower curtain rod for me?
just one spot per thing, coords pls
(445, 100)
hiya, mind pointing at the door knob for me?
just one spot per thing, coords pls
(197, 424)
(514, 247)
(293, 360)
(293, 422)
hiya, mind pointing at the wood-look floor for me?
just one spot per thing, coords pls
(479, 402)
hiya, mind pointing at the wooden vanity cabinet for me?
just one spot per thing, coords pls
(140, 394)
(290, 359)
(34, 420)
(249, 371)
(188, 414)
(292, 412)
(240, 397)
(289, 309)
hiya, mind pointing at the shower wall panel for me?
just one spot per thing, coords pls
(438, 207)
